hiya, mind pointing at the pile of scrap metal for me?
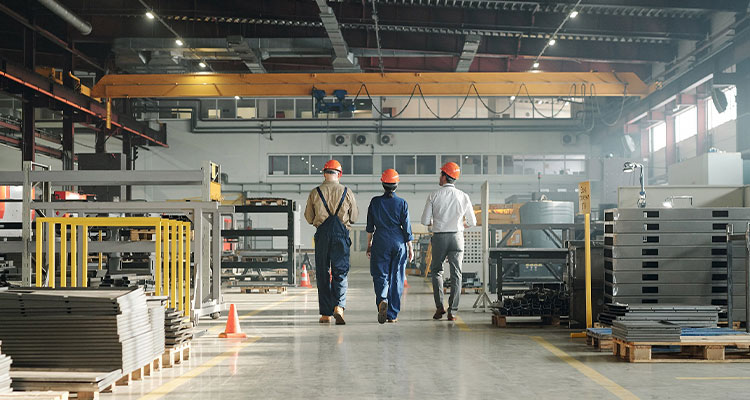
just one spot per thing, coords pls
(535, 302)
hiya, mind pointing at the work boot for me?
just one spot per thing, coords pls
(338, 315)
(325, 319)
(451, 317)
(439, 313)
(392, 321)
(382, 310)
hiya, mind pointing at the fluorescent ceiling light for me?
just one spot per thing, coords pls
(202, 64)
(179, 42)
(552, 42)
(150, 15)
(573, 14)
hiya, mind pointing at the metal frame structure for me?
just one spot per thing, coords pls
(204, 215)
(288, 208)
(171, 245)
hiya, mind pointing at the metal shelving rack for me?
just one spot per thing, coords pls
(289, 261)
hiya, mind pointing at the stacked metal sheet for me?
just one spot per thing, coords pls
(156, 312)
(673, 256)
(92, 329)
(646, 331)
(680, 315)
(5, 362)
(177, 330)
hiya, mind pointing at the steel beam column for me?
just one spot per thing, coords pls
(27, 125)
(671, 149)
(68, 134)
(743, 109)
(702, 127)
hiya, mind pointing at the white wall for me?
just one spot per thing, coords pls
(245, 158)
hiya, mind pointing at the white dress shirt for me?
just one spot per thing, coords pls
(447, 208)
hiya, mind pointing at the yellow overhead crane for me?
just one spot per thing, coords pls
(484, 84)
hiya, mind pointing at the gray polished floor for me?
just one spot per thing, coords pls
(289, 355)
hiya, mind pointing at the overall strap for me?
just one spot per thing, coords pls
(325, 204)
(343, 197)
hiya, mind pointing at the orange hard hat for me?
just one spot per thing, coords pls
(390, 176)
(451, 169)
(334, 165)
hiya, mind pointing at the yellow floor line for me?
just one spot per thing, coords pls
(589, 372)
(170, 386)
(713, 378)
(461, 324)
(218, 329)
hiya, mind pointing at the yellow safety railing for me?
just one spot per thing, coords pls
(171, 249)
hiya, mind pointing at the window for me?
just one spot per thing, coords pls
(447, 159)
(576, 164)
(533, 164)
(554, 164)
(362, 165)
(299, 165)
(426, 165)
(304, 108)
(485, 164)
(386, 162)
(686, 124)
(405, 165)
(658, 137)
(246, 109)
(317, 163)
(471, 165)
(510, 165)
(278, 165)
(714, 118)
(346, 163)
(284, 108)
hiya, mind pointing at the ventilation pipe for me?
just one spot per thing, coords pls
(67, 15)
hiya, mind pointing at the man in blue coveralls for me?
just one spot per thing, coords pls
(388, 246)
(331, 208)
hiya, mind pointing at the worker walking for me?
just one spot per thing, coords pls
(388, 246)
(332, 240)
(449, 211)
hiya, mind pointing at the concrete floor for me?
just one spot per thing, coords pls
(289, 355)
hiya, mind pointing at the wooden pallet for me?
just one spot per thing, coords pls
(691, 349)
(736, 325)
(501, 321)
(85, 385)
(46, 395)
(138, 235)
(600, 344)
(176, 355)
(266, 202)
(262, 289)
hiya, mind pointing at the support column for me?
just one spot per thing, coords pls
(702, 143)
(743, 110)
(68, 135)
(671, 149)
(127, 150)
(100, 145)
(27, 108)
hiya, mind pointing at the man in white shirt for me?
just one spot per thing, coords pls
(449, 211)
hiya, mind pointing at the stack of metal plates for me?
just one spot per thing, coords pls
(5, 362)
(177, 329)
(646, 331)
(92, 329)
(673, 256)
(680, 315)
(156, 312)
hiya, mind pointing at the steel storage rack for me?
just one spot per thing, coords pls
(674, 256)
(204, 215)
(250, 261)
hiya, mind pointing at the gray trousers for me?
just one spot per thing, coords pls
(450, 245)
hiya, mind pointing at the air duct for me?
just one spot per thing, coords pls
(67, 15)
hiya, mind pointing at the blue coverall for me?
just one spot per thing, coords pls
(388, 220)
(332, 244)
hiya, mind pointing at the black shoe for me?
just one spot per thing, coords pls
(439, 313)
(451, 317)
(382, 310)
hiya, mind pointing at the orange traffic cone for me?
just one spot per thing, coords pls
(406, 283)
(232, 330)
(305, 279)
